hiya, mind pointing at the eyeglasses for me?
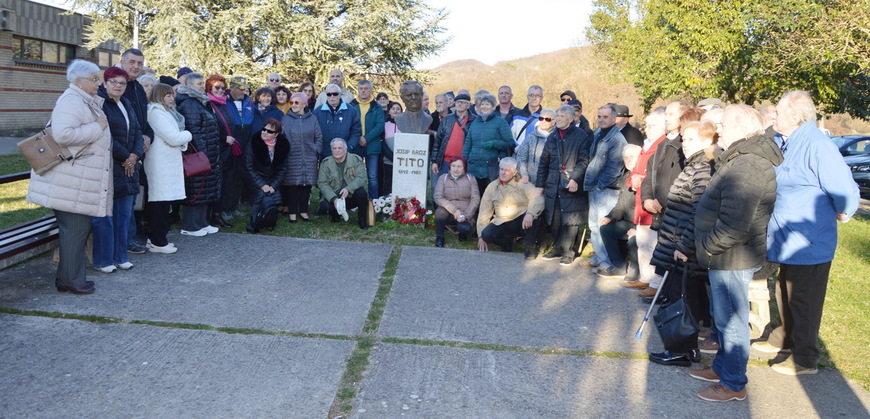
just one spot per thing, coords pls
(565, 99)
(269, 131)
(332, 94)
(546, 119)
(117, 82)
(295, 102)
(274, 80)
(219, 88)
(535, 95)
(94, 79)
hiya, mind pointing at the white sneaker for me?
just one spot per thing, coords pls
(197, 233)
(125, 266)
(107, 269)
(210, 229)
(168, 249)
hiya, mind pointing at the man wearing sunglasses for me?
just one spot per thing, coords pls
(338, 119)
(273, 80)
(336, 77)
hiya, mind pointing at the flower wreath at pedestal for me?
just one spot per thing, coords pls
(403, 210)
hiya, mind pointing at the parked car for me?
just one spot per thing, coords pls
(860, 166)
(851, 145)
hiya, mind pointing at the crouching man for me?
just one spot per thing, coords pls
(509, 209)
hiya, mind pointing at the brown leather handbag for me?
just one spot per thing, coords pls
(195, 163)
(42, 152)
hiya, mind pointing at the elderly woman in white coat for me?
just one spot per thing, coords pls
(82, 188)
(164, 166)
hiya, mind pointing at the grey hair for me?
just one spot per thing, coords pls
(610, 106)
(332, 85)
(301, 95)
(566, 109)
(506, 87)
(450, 95)
(478, 95)
(337, 140)
(507, 161)
(487, 97)
(631, 148)
(535, 87)
(147, 77)
(365, 83)
(273, 74)
(799, 107)
(79, 69)
(747, 118)
(552, 111)
(133, 51)
(188, 81)
(656, 117)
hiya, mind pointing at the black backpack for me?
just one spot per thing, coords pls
(266, 216)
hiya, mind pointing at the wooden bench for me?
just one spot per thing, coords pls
(28, 239)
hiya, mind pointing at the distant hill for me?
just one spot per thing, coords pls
(573, 69)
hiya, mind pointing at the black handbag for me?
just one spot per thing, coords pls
(677, 326)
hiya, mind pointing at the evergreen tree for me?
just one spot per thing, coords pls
(302, 40)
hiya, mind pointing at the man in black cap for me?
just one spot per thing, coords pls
(631, 134)
(580, 121)
(182, 74)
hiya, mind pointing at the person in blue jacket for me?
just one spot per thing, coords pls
(814, 190)
(338, 119)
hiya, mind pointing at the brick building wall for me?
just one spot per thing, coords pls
(30, 87)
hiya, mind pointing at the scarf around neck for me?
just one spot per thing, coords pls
(222, 100)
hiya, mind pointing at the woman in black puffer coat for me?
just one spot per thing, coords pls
(265, 165)
(205, 189)
(676, 240)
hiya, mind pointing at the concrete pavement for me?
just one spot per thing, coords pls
(237, 325)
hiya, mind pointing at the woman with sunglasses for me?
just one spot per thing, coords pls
(529, 151)
(216, 90)
(306, 141)
(265, 165)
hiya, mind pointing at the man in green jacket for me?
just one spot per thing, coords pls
(341, 181)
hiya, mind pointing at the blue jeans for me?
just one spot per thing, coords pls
(372, 163)
(600, 204)
(729, 306)
(110, 233)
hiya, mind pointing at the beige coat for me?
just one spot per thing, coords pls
(163, 163)
(84, 185)
(503, 203)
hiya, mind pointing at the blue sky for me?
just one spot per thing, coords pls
(495, 31)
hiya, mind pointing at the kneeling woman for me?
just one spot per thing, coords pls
(457, 197)
(265, 164)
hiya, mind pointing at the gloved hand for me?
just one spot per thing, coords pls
(489, 145)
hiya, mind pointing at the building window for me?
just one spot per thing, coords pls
(37, 51)
(108, 59)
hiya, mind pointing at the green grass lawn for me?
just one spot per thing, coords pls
(845, 331)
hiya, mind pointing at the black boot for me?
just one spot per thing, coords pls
(670, 358)
(219, 221)
(439, 241)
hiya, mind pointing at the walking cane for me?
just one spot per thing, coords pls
(639, 333)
